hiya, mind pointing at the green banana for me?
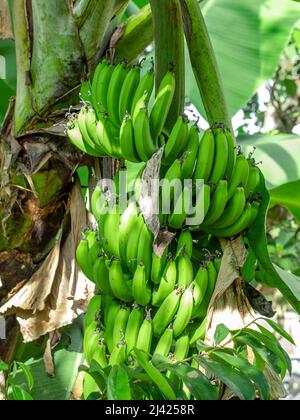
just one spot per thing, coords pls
(158, 266)
(162, 104)
(110, 318)
(201, 208)
(191, 153)
(244, 222)
(182, 207)
(185, 244)
(78, 141)
(95, 203)
(111, 232)
(118, 284)
(146, 85)
(199, 333)
(102, 89)
(91, 237)
(231, 154)
(127, 141)
(167, 283)
(145, 249)
(170, 187)
(185, 271)
(91, 339)
(182, 347)
(233, 211)
(143, 140)
(128, 222)
(104, 134)
(81, 120)
(218, 203)
(118, 355)
(200, 287)
(91, 126)
(206, 156)
(177, 141)
(93, 311)
(97, 77)
(133, 327)
(120, 324)
(240, 175)
(133, 244)
(212, 279)
(113, 94)
(94, 252)
(165, 342)
(184, 313)
(221, 157)
(100, 354)
(166, 312)
(144, 340)
(140, 288)
(101, 276)
(253, 180)
(82, 257)
(128, 91)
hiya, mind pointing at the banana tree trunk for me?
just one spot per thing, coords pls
(58, 44)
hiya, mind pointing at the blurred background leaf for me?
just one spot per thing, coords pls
(7, 86)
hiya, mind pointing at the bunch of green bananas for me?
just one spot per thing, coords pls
(165, 316)
(119, 123)
(229, 203)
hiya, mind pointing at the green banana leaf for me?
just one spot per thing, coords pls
(248, 38)
(67, 359)
(287, 283)
(280, 165)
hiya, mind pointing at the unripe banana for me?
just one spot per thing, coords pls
(118, 355)
(128, 222)
(96, 200)
(82, 116)
(184, 314)
(100, 354)
(162, 104)
(212, 279)
(177, 141)
(185, 244)
(167, 283)
(82, 258)
(253, 180)
(166, 312)
(78, 141)
(182, 208)
(91, 237)
(111, 232)
(240, 175)
(110, 319)
(140, 288)
(133, 244)
(128, 91)
(146, 85)
(221, 156)
(182, 347)
(231, 154)
(127, 141)
(94, 252)
(91, 126)
(244, 222)
(185, 271)
(118, 284)
(200, 287)
(233, 211)
(101, 276)
(205, 157)
(199, 333)
(134, 323)
(145, 249)
(120, 324)
(113, 93)
(165, 342)
(201, 208)
(96, 79)
(158, 266)
(142, 136)
(93, 311)
(91, 340)
(104, 135)
(218, 203)
(102, 89)
(191, 153)
(145, 335)
(171, 187)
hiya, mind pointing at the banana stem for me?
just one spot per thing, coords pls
(204, 63)
(169, 50)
